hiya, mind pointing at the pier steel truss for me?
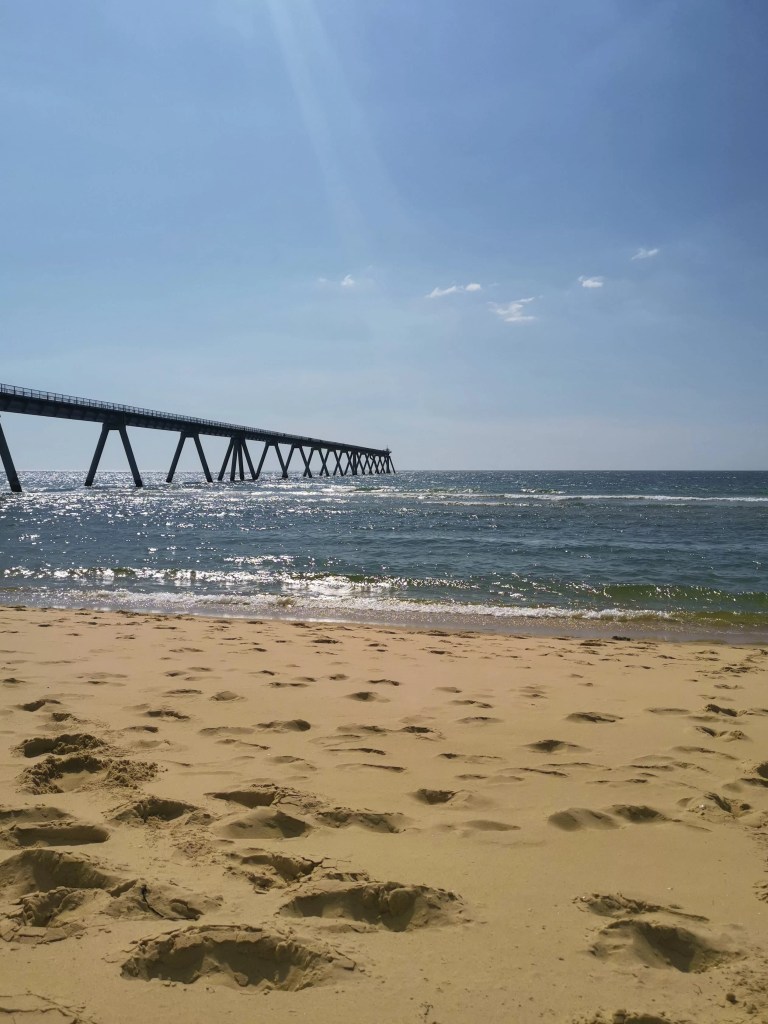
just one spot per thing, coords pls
(333, 458)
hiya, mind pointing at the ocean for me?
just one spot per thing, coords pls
(665, 554)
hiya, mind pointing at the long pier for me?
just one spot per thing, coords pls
(344, 459)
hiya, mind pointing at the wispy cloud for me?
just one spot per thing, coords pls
(591, 282)
(645, 254)
(454, 289)
(348, 281)
(513, 312)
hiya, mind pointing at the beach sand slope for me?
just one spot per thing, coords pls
(213, 820)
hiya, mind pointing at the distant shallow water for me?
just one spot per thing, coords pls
(657, 554)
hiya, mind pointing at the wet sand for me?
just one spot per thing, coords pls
(364, 824)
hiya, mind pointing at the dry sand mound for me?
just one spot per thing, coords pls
(235, 956)
(264, 823)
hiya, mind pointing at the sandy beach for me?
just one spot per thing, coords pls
(361, 823)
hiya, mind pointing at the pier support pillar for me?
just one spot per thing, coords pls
(121, 429)
(182, 438)
(307, 470)
(129, 455)
(10, 470)
(323, 462)
(285, 463)
(176, 456)
(260, 466)
(105, 429)
(247, 455)
(203, 462)
(236, 467)
(224, 464)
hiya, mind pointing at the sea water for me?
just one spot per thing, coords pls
(660, 554)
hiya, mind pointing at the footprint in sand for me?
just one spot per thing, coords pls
(59, 893)
(367, 695)
(292, 725)
(296, 762)
(617, 905)
(46, 826)
(576, 818)
(168, 714)
(241, 956)
(715, 807)
(311, 806)
(84, 771)
(422, 731)
(552, 746)
(661, 944)
(435, 796)
(668, 711)
(480, 720)
(35, 705)
(226, 730)
(267, 870)
(66, 743)
(592, 716)
(722, 734)
(358, 750)
(153, 810)
(391, 905)
(758, 775)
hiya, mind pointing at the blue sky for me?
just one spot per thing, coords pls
(491, 235)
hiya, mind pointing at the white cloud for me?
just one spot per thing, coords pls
(591, 282)
(645, 254)
(454, 289)
(438, 293)
(513, 312)
(348, 281)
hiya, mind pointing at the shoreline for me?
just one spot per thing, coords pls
(545, 626)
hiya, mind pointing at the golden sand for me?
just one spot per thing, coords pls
(212, 820)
